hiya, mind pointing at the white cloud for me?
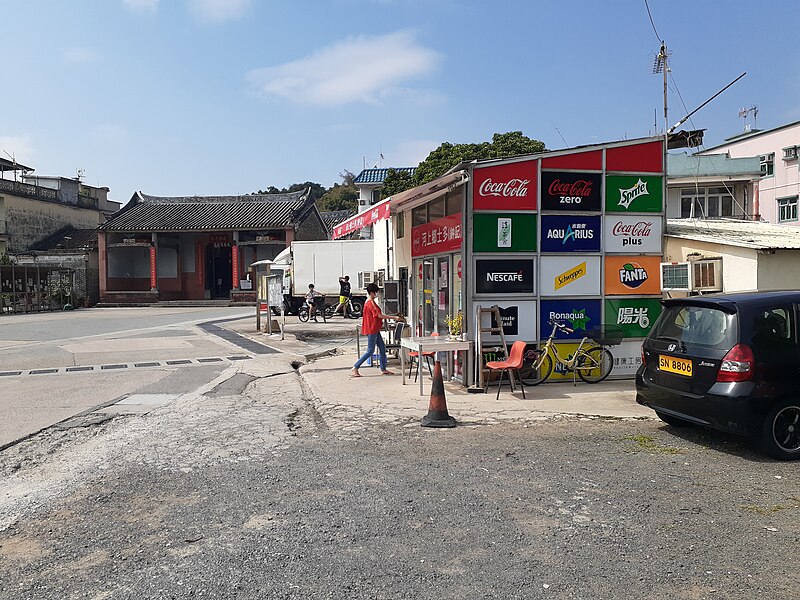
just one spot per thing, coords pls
(79, 56)
(364, 68)
(20, 148)
(217, 11)
(142, 5)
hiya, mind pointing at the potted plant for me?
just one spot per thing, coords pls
(455, 323)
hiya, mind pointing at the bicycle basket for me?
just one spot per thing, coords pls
(606, 335)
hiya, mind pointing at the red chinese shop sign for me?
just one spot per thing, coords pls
(442, 235)
(368, 217)
(511, 186)
(153, 269)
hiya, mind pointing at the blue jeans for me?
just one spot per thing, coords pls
(372, 340)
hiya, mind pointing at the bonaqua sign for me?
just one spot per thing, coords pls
(577, 314)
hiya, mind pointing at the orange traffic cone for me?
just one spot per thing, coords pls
(437, 408)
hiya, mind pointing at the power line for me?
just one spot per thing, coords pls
(649, 14)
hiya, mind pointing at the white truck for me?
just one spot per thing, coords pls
(322, 263)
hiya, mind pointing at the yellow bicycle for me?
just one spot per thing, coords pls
(592, 361)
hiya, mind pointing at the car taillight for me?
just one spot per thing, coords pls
(644, 360)
(737, 365)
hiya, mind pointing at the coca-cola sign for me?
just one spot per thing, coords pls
(568, 191)
(632, 234)
(505, 187)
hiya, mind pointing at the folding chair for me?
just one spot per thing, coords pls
(511, 365)
(428, 356)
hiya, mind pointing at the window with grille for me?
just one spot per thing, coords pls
(787, 209)
(767, 164)
(675, 276)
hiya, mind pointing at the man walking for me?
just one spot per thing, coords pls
(371, 325)
(344, 295)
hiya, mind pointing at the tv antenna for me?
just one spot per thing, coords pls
(747, 111)
(80, 173)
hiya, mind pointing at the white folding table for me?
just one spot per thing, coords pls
(432, 344)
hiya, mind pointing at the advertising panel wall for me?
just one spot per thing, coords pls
(574, 236)
(577, 275)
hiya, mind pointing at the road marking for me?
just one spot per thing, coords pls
(125, 366)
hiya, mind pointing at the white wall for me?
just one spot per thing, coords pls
(779, 271)
(739, 265)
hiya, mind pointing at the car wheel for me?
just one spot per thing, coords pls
(780, 432)
(670, 420)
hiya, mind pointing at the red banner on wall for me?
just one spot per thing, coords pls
(442, 235)
(199, 264)
(153, 269)
(377, 213)
(235, 264)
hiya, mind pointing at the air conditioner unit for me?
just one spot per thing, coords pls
(707, 275)
(367, 277)
(790, 153)
(702, 275)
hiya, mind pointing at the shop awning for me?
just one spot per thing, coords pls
(378, 212)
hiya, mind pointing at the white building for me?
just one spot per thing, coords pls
(776, 200)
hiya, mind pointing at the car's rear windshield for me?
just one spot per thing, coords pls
(696, 325)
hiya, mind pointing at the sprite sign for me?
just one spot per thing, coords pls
(634, 193)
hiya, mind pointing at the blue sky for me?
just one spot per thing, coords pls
(182, 97)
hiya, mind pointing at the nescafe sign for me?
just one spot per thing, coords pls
(495, 276)
(567, 191)
(505, 187)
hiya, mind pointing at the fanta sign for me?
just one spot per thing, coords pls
(506, 187)
(632, 275)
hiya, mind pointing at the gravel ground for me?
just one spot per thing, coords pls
(254, 495)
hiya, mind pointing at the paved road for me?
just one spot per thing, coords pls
(247, 491)
(57, 365)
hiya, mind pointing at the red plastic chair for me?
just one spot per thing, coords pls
(512, 364)
(428, 356)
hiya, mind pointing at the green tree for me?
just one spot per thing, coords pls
(342, 196)
(446, 156)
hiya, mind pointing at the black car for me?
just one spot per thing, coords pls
(730, 362)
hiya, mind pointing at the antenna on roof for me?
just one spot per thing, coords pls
(743, 114)
(80, 173)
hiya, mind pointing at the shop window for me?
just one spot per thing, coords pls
(419, 216)
(787, 209)
(435, 210)
(453, 203)
(400, 224)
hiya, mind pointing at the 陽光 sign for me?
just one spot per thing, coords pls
(635, 316)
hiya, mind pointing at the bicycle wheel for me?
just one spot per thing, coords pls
(356, 308)
(595, 364)
(303, 315)
(537, 370)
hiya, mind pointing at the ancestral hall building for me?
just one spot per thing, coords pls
(198, 247)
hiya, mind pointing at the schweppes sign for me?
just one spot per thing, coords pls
(570, 275)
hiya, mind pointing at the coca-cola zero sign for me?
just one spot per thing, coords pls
(505, 187)
(567, 191)
(632, 234)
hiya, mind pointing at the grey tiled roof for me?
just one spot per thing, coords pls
(68, 238)
(332, 218)
(378, 175)
(209, 213)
